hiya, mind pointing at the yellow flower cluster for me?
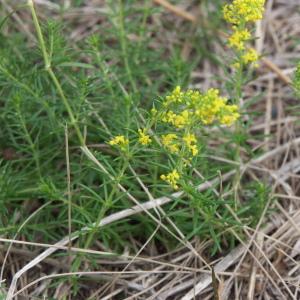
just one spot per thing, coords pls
(144, 138)
(178, 120)
(238, 38)
(172, 178)
(194, 107)
(239, 13)
(190, 141)
(184, 111)
(250, 56)
(170, 141)
(176, 96)
(230, 115)
(120, 141)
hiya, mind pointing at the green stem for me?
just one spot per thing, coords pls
(39, 34)
(48, 68)
(67, 106)
(124, 46)
(238, 131)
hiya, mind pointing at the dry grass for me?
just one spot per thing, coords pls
(266, 265)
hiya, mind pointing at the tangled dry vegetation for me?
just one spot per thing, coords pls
(263, 266)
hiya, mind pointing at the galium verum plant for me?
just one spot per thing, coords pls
(173, 126)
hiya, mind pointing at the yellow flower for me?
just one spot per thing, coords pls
(169, 141)
(178, 120)
(194, 150)
(227, 120)
(209, 106)
(144, 138)
(190, 141)
(172, 178)
(195, 107)
(239, 13)
(176, 96)
(238, 38)
(243, 11)
(182, 119)
(236, 65)
(250, 56)
(120, 141)
(169, 117)
(229, 115)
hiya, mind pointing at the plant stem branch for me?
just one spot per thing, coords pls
(49, 69)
